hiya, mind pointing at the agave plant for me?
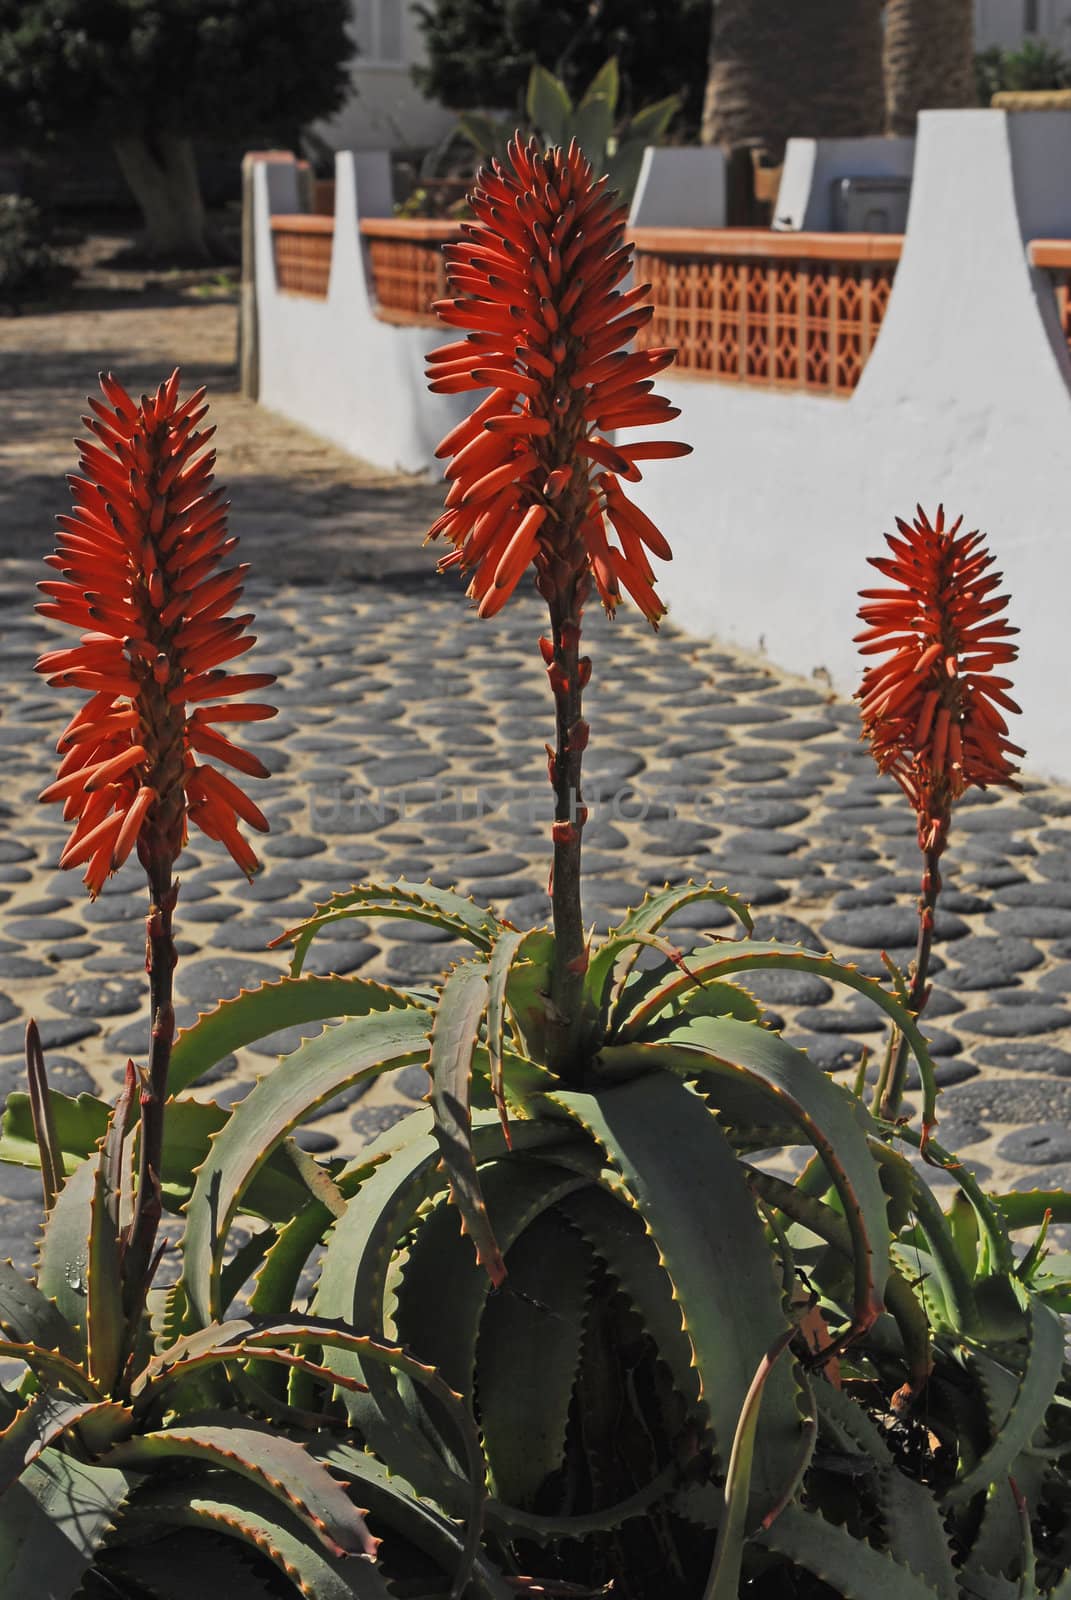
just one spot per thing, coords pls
(612, 147)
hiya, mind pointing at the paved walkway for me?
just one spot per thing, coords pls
(707, 764)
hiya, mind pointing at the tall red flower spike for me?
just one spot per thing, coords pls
(140, 562)
(930, 710)
(534, 477)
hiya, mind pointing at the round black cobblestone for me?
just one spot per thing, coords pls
(986, 963)
(884, 927)
(1013, 1022)
(1041, 1145)
(1025, 1055)
(98, 997)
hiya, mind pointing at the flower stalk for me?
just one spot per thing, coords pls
(889, 1092)
(534, 481)
(160, 961)
(140, 568)
(932, 709)
(568, 671)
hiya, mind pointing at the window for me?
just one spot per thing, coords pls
(1030, 16)
(380, 28)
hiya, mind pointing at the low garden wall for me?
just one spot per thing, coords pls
(812, 432)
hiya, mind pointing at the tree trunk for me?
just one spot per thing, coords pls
(929, 59)
(784, 68)
(163, 178)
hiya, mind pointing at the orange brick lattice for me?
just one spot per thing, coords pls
(408, 277)
(1053, 257)
(303, 247)
(1062, 285)
(407, 265)
(790, 322)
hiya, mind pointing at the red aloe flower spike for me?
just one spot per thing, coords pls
(930, 709)
(139, 559)
(533, 480)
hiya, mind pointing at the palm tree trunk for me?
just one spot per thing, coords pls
(929, 59)
(780, 68)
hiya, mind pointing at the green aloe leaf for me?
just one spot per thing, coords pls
(997, 1257)
(189, 1126)
(442, 1294)
(947, 1289)
(616, 956)
(504, 956)
(245, 1261)
(53, 1521)
(528, 1357)
(617, 1235)
(420, 902)
(916, 1534)
(353, 1284)
(80, 1125)
(48, 1145)
(1026, 1208)
(241, 1510)
(527, 992)
(64, 1251)
(105, 1323)
(723, 1582)
(454, 1036)
(668, 1152)
(548, 105)
(391, 1505)
(731, 1056)
(276, 1464)
(180, 1564)
(277, 1279)
(851, 1566)
(721, 959)
(50, 1367)
(49, 1416)
(1037, 1385)
(28, 1317)
(255, 1013)
(362, 1047)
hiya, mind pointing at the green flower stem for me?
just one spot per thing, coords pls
(567, 674)
(160, 958)
(890, 1089)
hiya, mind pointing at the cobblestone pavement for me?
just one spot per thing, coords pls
(703, 763)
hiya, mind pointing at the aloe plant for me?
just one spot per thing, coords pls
(568, 1329)
(112, 1442)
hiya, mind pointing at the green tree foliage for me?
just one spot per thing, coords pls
(480, 52)
(152, 75)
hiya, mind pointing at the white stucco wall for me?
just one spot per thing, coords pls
(680, 187)
(813, 166)
(965, 400)
(331, 364)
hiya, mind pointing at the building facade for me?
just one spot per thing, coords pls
(1010, 23)
(386, 110)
